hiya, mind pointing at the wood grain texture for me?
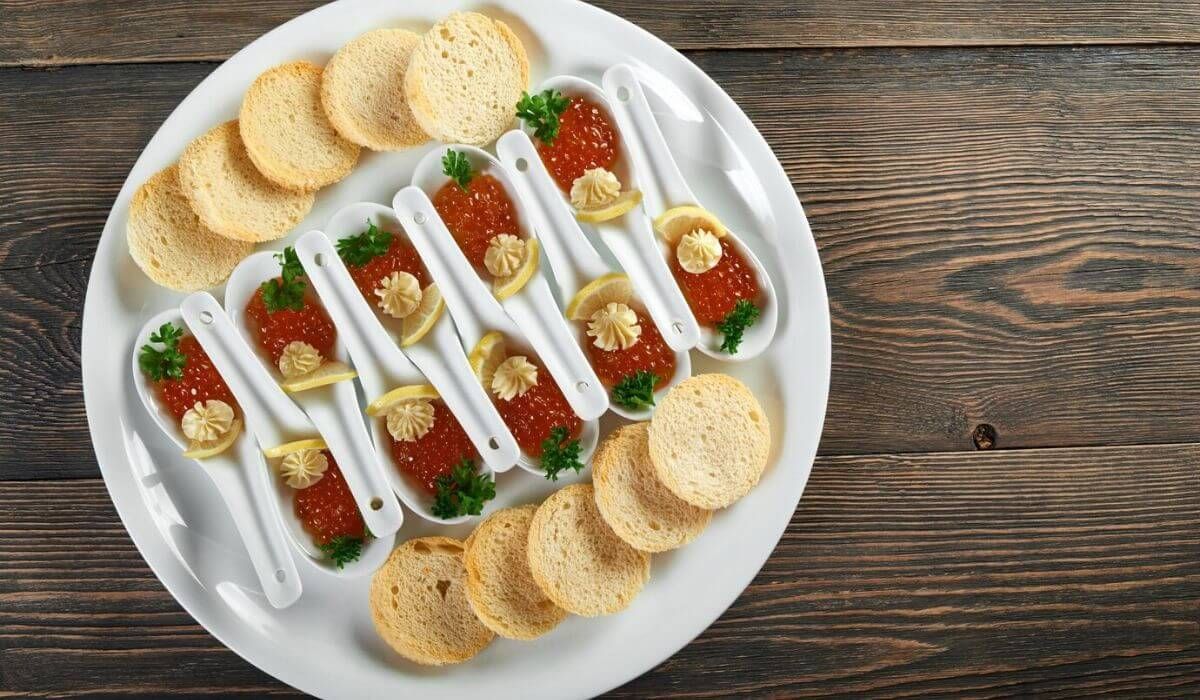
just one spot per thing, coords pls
(1049, 572)
(38, 33)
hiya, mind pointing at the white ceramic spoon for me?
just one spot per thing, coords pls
(272, 417)
(470, 302)
(664, 187)
(382, 366)
(572, 258)
(533, 308)
(243, 480)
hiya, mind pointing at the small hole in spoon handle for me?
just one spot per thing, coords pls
(522, 165)
(206, 318)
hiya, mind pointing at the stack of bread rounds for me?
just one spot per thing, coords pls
(362, 91)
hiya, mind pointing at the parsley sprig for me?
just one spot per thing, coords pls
(559, 453)
(166, 363)
(361, 249)
(636, 390)
(343, 549)
(541, 112)
(287, 292)
(462, 491)
(456, 167)
(734, 325)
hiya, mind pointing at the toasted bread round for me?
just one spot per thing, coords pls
(170, 243)
(419, 603)
(709, 440)
(500, 588)
(634, 502)
(362, 91)
(229, 194)
(578, 561)
(286, 132)
(465, 78)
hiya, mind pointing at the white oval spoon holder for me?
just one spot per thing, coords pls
(470, 302)
(664, 187)
(243, 480)
(572, 258)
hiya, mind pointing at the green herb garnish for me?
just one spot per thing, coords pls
(168, 362)
(742, 316)
(343, 549)
(462, 491)
(361, 249)
(559, 453)
(636, 390)
(456, 167)
(287, 292)
(541, 112)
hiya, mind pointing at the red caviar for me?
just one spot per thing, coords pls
(532, 415)
(327, 508)
(585, 140)
(200, 381)
(436, 452)
(274, 330)
(401, 256)
(650, 354)
(712, 294)
(477, 215)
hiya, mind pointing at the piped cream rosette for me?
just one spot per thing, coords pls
(407, 412)
(695, 233)
(597, 196)
(210, 427)
(303, 368)
(511, 261)
(605, 305)
(505, 376)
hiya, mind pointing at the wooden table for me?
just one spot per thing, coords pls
(1006, 198)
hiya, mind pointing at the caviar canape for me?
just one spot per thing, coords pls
(323, 503)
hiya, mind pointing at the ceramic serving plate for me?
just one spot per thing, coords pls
(325, 643)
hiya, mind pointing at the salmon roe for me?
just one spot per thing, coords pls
(649, 354)
(200, 381)
(401, 256)
(327, 509)
(477, 215)
(436, 452)
(532, 415)
(585, 140)
(712, 294)
(274, 330)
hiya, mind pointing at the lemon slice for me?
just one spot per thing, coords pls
(212, 448)
(505, 287)
(622, 205)
(613, 287)
(329, 372)
(486, 356)
(418, 324)
(677, 222)
(295, 446)
(416, 391)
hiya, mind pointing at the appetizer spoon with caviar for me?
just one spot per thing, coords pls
(726, 285)
(572, 125)
(554, 439)
(431, 427)
(627, 351)
(192, 405)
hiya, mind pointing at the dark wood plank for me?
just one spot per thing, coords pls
(1048, 572)
(36, 33)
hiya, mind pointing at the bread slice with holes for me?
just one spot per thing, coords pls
(419, 603)
(709, 440)
(634, 502)
(576, 558)
(169, 242)
(500, 586)
(362, 91)
(465, 78)
(230, 195)
(286, 132)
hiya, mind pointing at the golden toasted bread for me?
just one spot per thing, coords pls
(362, 91)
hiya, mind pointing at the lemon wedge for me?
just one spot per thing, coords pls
(505, 287)
(418, 324)
(622, 205)
(212, 448)
(677, 222)
(486, 356)
(613, 287)
(415, 391)
(329, 372)
(295, 446)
